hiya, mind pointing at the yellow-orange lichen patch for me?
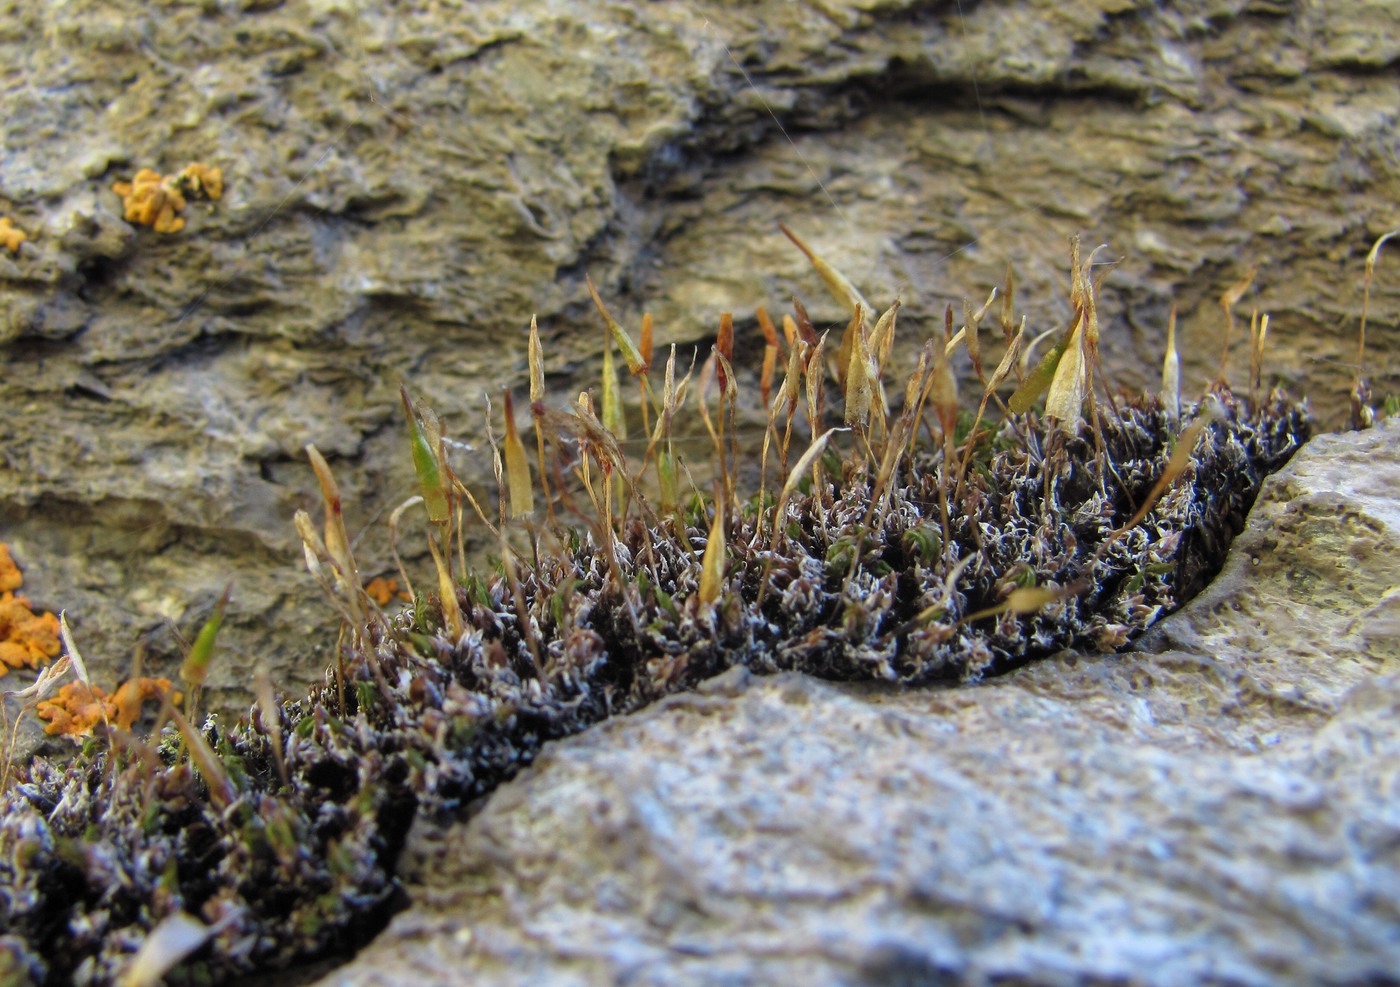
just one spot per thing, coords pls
(382, 589)
(10, 578)
(154, 200)
(200, 181)
(11, 236)
(76, 709)
(150, 202)
(27, 639)
(79, 708)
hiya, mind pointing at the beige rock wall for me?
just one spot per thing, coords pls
(407, 183)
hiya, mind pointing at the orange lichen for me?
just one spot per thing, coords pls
(201, 181)
(11, 236)
(150, 201)
(75, 710)
(78, 708)
(10, 578)
(154, 200)
(381, 590)
(26, 638)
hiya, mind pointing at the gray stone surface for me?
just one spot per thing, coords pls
(407, 182)
(1223, 808)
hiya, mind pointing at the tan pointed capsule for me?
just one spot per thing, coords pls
(724, 345)
(1258, 332)
(712, 562)
(813, 378)
(633, 356)
(1008, 306)
(1076, 284)
(972, 339)
(860, 371)
(337, 539)
(1090, 344)
(805, 329)
(790, 391)
(854, 326)
(770, 355)
(447, 594)
(1228, 300)
(669, 398)
(1023, 600)
(646, 344)
(536, 354)
(1008, 359)
(972, 322)
(882, 336)
(1029, 599)
(1039, 379)
(943, 394)
(1065, 399)
(1171, 372)
(313, 548)
(518, 482)
(765, 326)
(805, 463)
(841, 289)
(770, 369)
(612, 414)
(915, 385)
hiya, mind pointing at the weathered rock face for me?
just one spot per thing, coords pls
(407, 183)
(1220, 810)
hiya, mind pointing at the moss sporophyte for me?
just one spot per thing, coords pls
(877, 526)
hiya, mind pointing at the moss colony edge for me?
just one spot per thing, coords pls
(901, 541)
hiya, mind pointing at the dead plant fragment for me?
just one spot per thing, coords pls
(881, 525)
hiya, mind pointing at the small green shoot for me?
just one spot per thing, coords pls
(195, 668)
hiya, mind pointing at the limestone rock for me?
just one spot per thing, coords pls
(407, 183)
(1222, 809)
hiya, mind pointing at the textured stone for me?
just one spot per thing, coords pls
(1223, 809)
(407, 183)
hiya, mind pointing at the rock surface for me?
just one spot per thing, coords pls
(1221, 808)
(406, 183)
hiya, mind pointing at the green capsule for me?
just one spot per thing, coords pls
(431, 476)
(1038, 381)
(196, 664)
